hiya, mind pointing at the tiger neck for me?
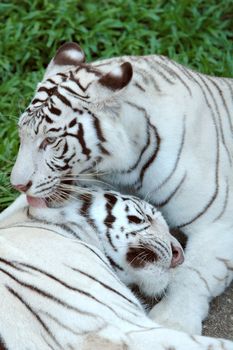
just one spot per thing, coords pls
(142, 146)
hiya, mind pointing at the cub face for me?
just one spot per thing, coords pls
(131, 233)
(60, 135)
(137, 240)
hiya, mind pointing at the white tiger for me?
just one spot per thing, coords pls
(130, 232)
(61, 293)
(156, 127)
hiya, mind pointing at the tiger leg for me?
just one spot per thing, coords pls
(207, 271)
(18, 204)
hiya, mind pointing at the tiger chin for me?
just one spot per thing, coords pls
(155, 127)
(129, 231)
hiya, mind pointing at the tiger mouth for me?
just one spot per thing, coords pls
(36, 202)
(59, 194)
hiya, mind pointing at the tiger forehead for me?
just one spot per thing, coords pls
(32, 125)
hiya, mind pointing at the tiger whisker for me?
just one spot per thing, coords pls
(88, 180)
(136, 257)
(74, 189)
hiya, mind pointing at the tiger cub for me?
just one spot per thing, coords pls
(132, 234)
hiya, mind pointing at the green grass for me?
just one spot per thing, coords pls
(197, 33)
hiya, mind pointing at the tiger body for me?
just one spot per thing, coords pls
(61, 293)
(151, 125)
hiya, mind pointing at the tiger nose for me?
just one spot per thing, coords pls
(177, 255)
(23, 188)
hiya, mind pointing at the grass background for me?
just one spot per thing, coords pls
(197, 33)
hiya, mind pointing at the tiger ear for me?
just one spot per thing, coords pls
(113, 81)
(67, 56)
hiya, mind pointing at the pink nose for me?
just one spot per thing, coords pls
(23, 188)
(177, 256)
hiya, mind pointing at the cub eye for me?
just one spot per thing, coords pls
(47, 141)
(135, 219)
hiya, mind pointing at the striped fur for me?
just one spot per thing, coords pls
(60, 293)
(156, 127)
(130, 232)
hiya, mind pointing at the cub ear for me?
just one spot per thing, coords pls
(112, 82)
(68, 55)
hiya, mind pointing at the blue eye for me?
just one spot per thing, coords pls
(50, 140)
(47, 141)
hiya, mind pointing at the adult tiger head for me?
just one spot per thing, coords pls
(66, 130)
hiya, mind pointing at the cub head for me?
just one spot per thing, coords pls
(64, 131)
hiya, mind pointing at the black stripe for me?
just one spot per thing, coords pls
(36, 100)
(44, 189)
(54, 110)
(69, 230)
(184, 70)
(61, 324)
(173, 73)
(71, 91)
(224, 203)
(3, 344)
(11, 264)
(223, 101)
(110, 218)
(54, 130)
(80, 136)
(152, 158)
(230, 87)
(72, 123)
(47, 343)
(65, 150)
(171, 195)
(39, 122)
(99, 132)
(219, 116)
(58, 143)
(89, 69)
(165, 181)
(84, 210)
(156, 150)
(47, 119)
(145, 147)
(154, 67)
(68, 286)
(76, 81)
(163, 246)
(139, 86)
(110, 203)
(214, 196)
(98, 129)
(51, 81)
(135, 232)
(104, 285)
(60, 167)
(64, 227)
(47, 295)
(114, 264)
(63, 99)
(33, 312)
(46, 182)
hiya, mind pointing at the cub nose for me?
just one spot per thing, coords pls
(177, 255)
(23, 188)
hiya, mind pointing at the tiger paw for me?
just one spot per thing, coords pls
(176, 317)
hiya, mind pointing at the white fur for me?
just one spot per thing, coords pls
(121, 236)
(117, 324)
(191, 114)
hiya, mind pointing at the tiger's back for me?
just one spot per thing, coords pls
(59, 300)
